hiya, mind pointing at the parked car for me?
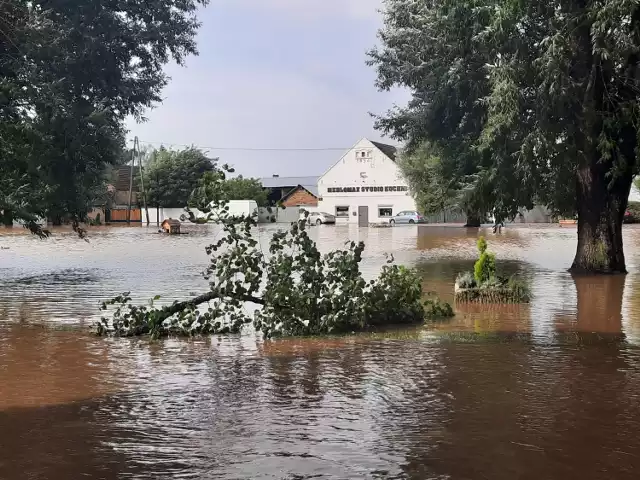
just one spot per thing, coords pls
(628, 217)
(320, 218)
(408, 216)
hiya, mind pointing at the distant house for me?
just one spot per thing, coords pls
(292, 191)
(365, 185)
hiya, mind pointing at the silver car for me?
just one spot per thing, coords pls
(408, 216)
(319, 218)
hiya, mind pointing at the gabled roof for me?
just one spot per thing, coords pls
(311, 191)
(389, 150)
(172, 222)
(280, 182)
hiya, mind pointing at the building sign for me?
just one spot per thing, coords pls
(367, 189)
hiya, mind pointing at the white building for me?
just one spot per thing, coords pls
(365, 186)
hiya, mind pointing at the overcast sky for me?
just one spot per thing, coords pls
(275, 74)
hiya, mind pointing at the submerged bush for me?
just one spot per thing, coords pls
(435, 308)
(466, 280)
(300, 291)
(519, 289)
(485, 286)
(485, 267)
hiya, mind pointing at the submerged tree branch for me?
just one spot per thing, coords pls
(302, 291)
(178, 307)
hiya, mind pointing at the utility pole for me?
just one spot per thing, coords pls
(133, 163)
(136, 146)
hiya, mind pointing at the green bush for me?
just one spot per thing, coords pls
(435, 308)
(520, 289)
(482, 245)
(485, 268)
(466, 280)
(484, 286)
(394, 298)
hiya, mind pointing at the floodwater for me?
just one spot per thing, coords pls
(549, 390)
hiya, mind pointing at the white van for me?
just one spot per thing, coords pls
(237, 208)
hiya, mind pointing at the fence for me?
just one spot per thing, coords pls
(281, 215)
(120, 215)
(447, 216)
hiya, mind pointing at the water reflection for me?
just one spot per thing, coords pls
(547, 390)
(599, 306)
(342, 408)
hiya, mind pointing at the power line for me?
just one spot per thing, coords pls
(249, 149)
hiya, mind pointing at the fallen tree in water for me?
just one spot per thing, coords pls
(296, 290)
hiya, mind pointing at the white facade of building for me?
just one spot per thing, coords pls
(365, 181)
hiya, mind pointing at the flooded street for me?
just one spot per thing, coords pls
(549, 390)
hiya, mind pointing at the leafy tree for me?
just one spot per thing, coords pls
(527, 102)
(172, 175)
(432, 183)
(71, 71)
(240, 188)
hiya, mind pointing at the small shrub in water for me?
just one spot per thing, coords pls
(519, 289)
(466, 280)
(484, 286)
(434, 308)
(482, 245)
(485, 268)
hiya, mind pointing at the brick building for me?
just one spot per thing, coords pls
(299, 197)
(292, 191)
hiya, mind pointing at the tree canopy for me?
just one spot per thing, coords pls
(172, 175)
(240, 188)
(434, 189)
(526, 102)
(70, 73)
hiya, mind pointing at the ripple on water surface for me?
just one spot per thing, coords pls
(547, 390)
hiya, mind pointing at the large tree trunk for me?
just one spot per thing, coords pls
(7, 218)
(473, 219)
(600, 214)
(604, 176)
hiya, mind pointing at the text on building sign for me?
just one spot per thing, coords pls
(367, 189)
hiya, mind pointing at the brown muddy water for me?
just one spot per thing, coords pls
(550, 390)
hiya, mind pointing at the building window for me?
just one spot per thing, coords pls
(385, 212)
(342, 211)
